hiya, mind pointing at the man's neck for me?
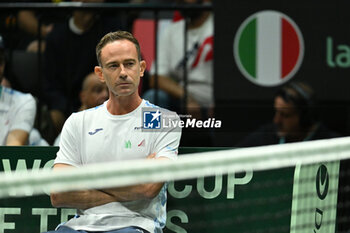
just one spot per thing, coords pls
(83, 107)
(120, 105)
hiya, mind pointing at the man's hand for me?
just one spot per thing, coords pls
(83, 199)
(151, 156)
(90, 198)
(137, 192)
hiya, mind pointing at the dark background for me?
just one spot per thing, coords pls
(242, 105)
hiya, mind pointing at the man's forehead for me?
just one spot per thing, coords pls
(285, 107)
(279, 101)
(119, 46)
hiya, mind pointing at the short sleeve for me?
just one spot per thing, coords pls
(167, 142)
(24, 114)
(68, 152)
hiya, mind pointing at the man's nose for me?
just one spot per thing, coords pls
(122, 71)
(123, 76)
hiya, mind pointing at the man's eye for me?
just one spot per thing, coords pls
(113, 66)
(129, 64)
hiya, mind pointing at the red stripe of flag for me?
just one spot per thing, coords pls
(290, 48)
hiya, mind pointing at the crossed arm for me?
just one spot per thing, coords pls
(90, 198)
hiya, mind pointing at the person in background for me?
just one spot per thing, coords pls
(93, 94)
(17, 111)
(34, 138)
(20, 28)
(295, 119)
(199, 61)
(69, 56)
(28, 22)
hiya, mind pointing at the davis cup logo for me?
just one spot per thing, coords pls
(268, 48)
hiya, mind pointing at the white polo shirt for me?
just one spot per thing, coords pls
(95, 136)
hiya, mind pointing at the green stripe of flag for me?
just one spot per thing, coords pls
(247, 48)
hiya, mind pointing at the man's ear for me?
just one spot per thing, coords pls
(98, 72)
(142, 67)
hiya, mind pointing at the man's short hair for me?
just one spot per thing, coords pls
(301, 96)
(114, 36)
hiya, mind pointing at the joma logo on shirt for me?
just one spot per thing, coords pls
(96, 130)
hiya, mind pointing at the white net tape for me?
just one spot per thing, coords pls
(122, 173)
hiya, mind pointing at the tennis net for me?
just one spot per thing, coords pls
(297, 187)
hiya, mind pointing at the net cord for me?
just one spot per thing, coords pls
(132, 172)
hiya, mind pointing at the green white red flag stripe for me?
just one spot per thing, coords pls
(269, 48)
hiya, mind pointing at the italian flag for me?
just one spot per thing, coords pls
(269, 47)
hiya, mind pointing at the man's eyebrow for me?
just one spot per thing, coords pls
(126, 60)
(129, 60)
(111, 62)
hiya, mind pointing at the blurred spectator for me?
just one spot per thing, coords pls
(93, 94)
(34, 138)
(28, 22)
(70, 56)
(199, 60)
(295, 119)
(17, 111)
(21, 29)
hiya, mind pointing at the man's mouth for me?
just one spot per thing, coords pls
(123, 84)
